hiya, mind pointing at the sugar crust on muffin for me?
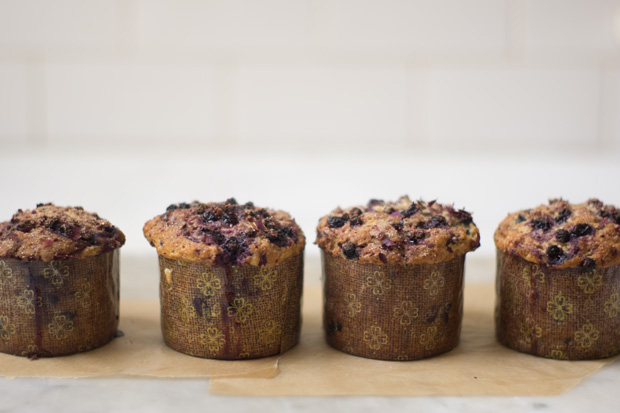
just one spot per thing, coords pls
(563, 235)
(48, 232)
(225, 233)
(397, 233)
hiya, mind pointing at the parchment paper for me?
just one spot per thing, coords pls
(479, 366)
(140, 352)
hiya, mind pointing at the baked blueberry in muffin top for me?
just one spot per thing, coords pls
(225, 233)
(397, 233)
(51, 232)
(563, 235)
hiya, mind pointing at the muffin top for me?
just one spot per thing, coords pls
(397, 233)
(50, 232)
(225, 233)
(563, 235)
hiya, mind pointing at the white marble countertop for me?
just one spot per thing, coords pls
(599, 392)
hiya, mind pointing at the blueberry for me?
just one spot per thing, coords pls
(171, 207)
(464, 217)
(184, 205)
(355, 212)
(398, 226)
(555, 254)
(270, 223)
(563, 215)
(230, 219)
(581, 230)
(209, 216)
(520, 219)
(417, 237)
(562, 235)
(540, 223)
(410, 211)
(383, 258)
(231, 201)
(349, 250)
(588, 263)
(336, 222)
(288, 231)
(231, 250)
(355, 221)
(215, 235)
(436, 221)
(277, 237)
(231, 245)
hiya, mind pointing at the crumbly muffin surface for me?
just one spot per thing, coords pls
(225, 233)
(397, 233)
(563, 235)
(50, 232)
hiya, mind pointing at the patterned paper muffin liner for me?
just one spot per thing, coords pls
(392, 312)
(57, 308)
(568, 314)
(231, 312)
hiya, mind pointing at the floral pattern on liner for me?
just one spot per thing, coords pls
(231, 312)
(60, 307)
(378, 283)
(56, 272)
(6, 272)
(392, 312)
(569, 316)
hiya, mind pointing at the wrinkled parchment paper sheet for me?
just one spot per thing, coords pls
(478, 366)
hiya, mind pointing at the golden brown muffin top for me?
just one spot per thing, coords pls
(225, 233)
(397, 233)
(50, 232)
(563, 235)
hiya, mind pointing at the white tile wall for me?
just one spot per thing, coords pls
(572, 26)
(407, 73)
(414, 26)
(225, 25)
(511, 106)
(349, 104)
(54, 23)
(14, 103)
(129, 102)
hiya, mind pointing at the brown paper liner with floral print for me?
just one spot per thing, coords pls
(60, 307)
(568, 314)
(392, 312)
(231, 312)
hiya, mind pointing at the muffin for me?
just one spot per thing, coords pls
(558, 280)
(231, 279)
(393, 277)
(59, 281)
